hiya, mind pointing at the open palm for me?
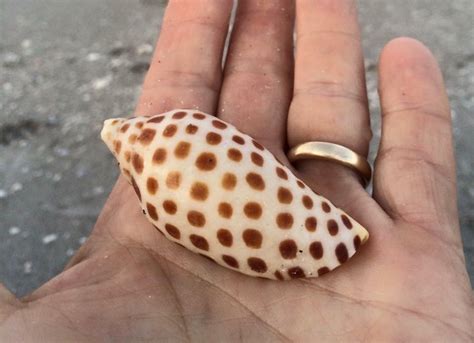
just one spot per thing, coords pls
(128, 283)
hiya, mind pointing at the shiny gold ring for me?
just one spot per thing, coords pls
(334, 153)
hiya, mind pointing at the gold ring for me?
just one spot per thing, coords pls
(335, 153)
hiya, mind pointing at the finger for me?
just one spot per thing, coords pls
(8, 303)
(329, 101)
(257, 83)
(415, 168)
(186, 68)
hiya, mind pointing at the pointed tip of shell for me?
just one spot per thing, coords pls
(109, 129)
(362, 233)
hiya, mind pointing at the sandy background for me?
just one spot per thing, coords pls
(66, 65)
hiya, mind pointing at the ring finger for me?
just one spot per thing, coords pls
(329, 100)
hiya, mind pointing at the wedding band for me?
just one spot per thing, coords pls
(334, 153)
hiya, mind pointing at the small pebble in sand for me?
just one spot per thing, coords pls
(98, 190)
(3, 193)
(144, 49)
(82, 240)
(26, 44)
(102, 82)
(16, 187)
(49, 238)
(93, 56)
(27, 267)
(14, 230)
(11, 59)
(7, 87)
(56, 177)
(70, 252)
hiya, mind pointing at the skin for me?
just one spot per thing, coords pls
(408, 283)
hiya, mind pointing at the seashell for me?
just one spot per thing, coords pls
(218, 192)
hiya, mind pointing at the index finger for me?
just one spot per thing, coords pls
(186, 68)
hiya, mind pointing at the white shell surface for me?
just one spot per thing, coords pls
(216, 191)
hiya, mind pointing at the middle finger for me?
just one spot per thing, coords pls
(257, 84)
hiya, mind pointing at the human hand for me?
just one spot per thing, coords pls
(407, 283)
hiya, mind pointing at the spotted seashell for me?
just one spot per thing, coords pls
(218, 192)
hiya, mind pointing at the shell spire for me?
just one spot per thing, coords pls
(220, 193)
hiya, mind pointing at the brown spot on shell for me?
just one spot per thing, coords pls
(182, 150)
(137, 162)
(170, 130)
(199, 116)
(124, 128)
(156, 119)
(170, 206)
(256, 159)
(288, 249)
(225, 209)
(333, 228)
(136, 189)
(179, 115)
(284, 195)
(316, 250)
(115, 121)
(151, 211)
(257, 264)
(139, 125)
(196, 218)
(281, 173)
(238, 140)
(325, 206)
(258, 145)
(279, 275)
(284, 220)
(213, 138)
(117, 146)
(151, 185)
(230, 261)
(357, 242)
(225, 237)
(219, 124)
(199, 242)
(307, 202)
(229, 181)
(253, 210)
(199, 191)
(300, 184)
(296, 273)
(310, 224)
(234, 154)
(206, 161)
(191, 129)
(252, 238)
(346, 221)
(128, 156)
(173, 231)
(255, 181)
(159, 156)
(341, 253)
(146, 136)
(173, 180)
(132, 139)
(323, 270)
